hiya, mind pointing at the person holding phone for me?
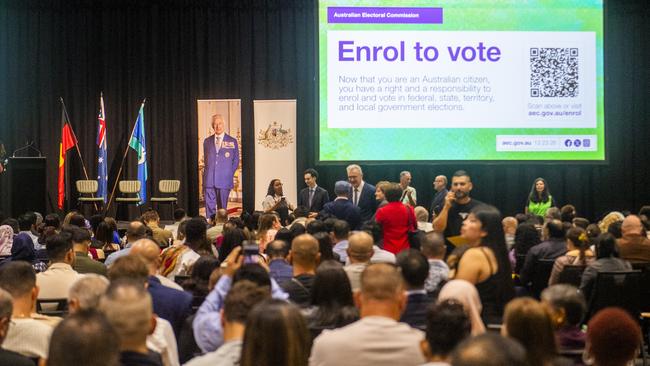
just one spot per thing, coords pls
(457, 206)
(276, 201)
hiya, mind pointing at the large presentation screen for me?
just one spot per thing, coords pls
(501, 80)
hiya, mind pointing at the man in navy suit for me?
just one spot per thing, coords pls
(312, 197)
(221, 158)
(415, 270)
(341, 207)
(362, 194)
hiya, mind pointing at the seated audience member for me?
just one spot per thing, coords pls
(609, 219)
(526, 237)
(150, 254)
(613, 338)
(529, 322)
(578, 253)
(377, 338)
(198, 283)
(29, 333)
(85, 292)
(606, 261)
(465, 293)
(134, 232)
(634, 246)
(509, 229)
(580, 222)
(179, 215)
(27, 224)
(177, 260)
(396, 220)
(22, 249)
(433, 247)
(360, 250)
(380, 255)
(6, 240)
(342, 208)
(168, 303)
(217, 228)
(275, 335)
(7, 357)
(84, 338)
(279, 269)
(447, 326)
(161, 236)
(325, 247)
(304, 257)
(316, 226)
(239, 302)
(567, 307)
(232, 237)
(422, 216)
(300, 215)
(340, 233)
(331, 303)
(489, 350)
(615, 229)
(268, 226)
(127, 306)
(552, 248)
(104, 238)
(414, 268)
(553, 213)
(55, 282)
(485, 264)
(207, 327)
(567, 213)
(81, 244)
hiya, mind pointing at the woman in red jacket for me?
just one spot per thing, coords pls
(395, 219)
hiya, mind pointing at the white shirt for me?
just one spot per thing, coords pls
(163, 341)
(227, 355)
(359, 189)
(183, 265)
(56, 281)
(29, 337)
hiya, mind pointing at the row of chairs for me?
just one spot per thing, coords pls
(130, 193)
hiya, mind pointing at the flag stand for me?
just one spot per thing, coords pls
(83, 165)
(119, 172)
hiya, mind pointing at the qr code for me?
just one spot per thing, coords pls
(554, 72)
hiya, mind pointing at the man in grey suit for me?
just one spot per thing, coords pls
(378, 338)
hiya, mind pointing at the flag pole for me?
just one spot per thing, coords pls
(83, 165)
(126, 151)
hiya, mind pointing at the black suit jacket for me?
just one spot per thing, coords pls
(415, 313)
(367, 202)
(321, 197)
(343, 210)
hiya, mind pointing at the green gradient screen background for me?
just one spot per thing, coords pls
(431, 144)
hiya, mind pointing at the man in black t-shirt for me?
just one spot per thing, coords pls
(457, 207)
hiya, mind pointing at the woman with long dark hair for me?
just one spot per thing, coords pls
(485, 264)
(539, 198)
(331, 299)
(276, 335)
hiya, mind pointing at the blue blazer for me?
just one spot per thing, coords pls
(220, 167)
(367, 202)
(170, 304)
(344, 210)
(321, 197)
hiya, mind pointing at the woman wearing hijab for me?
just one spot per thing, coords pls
(465, 293)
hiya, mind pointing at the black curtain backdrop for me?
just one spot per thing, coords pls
(174, 52)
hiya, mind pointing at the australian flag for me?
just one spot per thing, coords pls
(102, 177)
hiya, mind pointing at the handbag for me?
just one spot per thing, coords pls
(414, 235)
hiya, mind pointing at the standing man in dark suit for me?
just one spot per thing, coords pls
(440, 185)
(362, 194)
(221, 158)
(341, 207)
(312, 197)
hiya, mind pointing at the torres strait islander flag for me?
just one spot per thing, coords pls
(68, 141)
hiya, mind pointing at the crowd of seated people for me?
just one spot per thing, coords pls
(470, 288)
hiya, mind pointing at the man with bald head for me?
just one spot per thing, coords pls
(136, 231)
(304, 256)
(377, 338)
(360, 250)
(634, 246)
(169, 304)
